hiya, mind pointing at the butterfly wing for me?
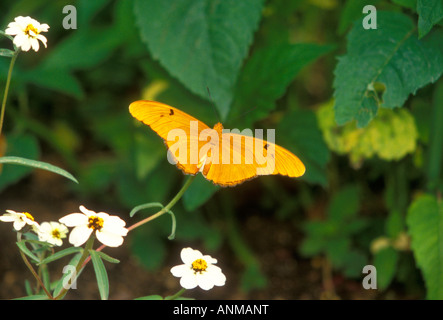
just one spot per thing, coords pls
(179, 131)
(248, 158)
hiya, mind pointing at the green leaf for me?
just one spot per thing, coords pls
(425, 222)
(389, 57)
(6, 53)
(108, 258)
(148, 248)
(200, 42)
(100, 274)
(344, 204)
(299, 133)
(429, 13)
(22, 246)
(86, 48)
(390, 136)
(60, 254)
(200, 191)
(52, 78)
(70, 267)
(151, 297)
(385, 262)
(145, 206)
(411, 4)
(34, 297)
(38, 165)
(158, 205)
(267, 74)
(351, 11)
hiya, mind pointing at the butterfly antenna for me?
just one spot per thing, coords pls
(243, 114)
(213, 105)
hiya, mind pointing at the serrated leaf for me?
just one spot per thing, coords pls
(100, 274)
(390, 56)
(390, 136)
(429, 13)
(200, 42)
(38, 165)
(267, 74)
(425, 223)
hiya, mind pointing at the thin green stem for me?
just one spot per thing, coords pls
(167, 207)
(80, 264)
(34, 273)
(435, 153)
(8, 82)
(175, 296)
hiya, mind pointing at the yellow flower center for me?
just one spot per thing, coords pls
(56, 233)
(95, 223)
(28, 215)
(199, 265)
(30, 28)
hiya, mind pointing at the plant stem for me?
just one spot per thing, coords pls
(175, 296)
(167, 207)
(435, 153)
(29, 265)
(8, 82)
(80, 264)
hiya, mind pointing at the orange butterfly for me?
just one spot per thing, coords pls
(227, 159)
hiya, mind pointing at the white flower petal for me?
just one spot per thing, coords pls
(189, 281)
(109, 239)
(34, 44)
(87, 212)
(74, 219)
(189, 255)
(180, 271)
(205, 275)
(209, 259)
(7, 218)
(19, 224)
(205, 282)
(79, 235)
(26, 32)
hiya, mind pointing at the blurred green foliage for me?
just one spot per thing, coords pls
(370, 152)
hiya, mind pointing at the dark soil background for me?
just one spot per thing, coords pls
(289, 275)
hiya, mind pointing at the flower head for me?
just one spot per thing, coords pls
(198, 270)
(52, 232)
(20, 219)
(27, 33)
(109, 230)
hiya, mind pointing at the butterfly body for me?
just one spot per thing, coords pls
(225, 158)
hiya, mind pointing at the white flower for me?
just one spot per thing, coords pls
(20, 219)
(198, 270)
(52, 232)
(109, 230)
(27, 33)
